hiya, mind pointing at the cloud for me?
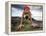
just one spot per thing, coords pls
(16, 12)
(36, 14)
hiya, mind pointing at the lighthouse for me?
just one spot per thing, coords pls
(26, 19)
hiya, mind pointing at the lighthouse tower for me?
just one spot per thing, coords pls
(26, 18)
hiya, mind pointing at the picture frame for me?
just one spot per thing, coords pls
(8, 17)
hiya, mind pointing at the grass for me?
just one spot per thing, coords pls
(27, 26)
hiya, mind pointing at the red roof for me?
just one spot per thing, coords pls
(26, 7)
